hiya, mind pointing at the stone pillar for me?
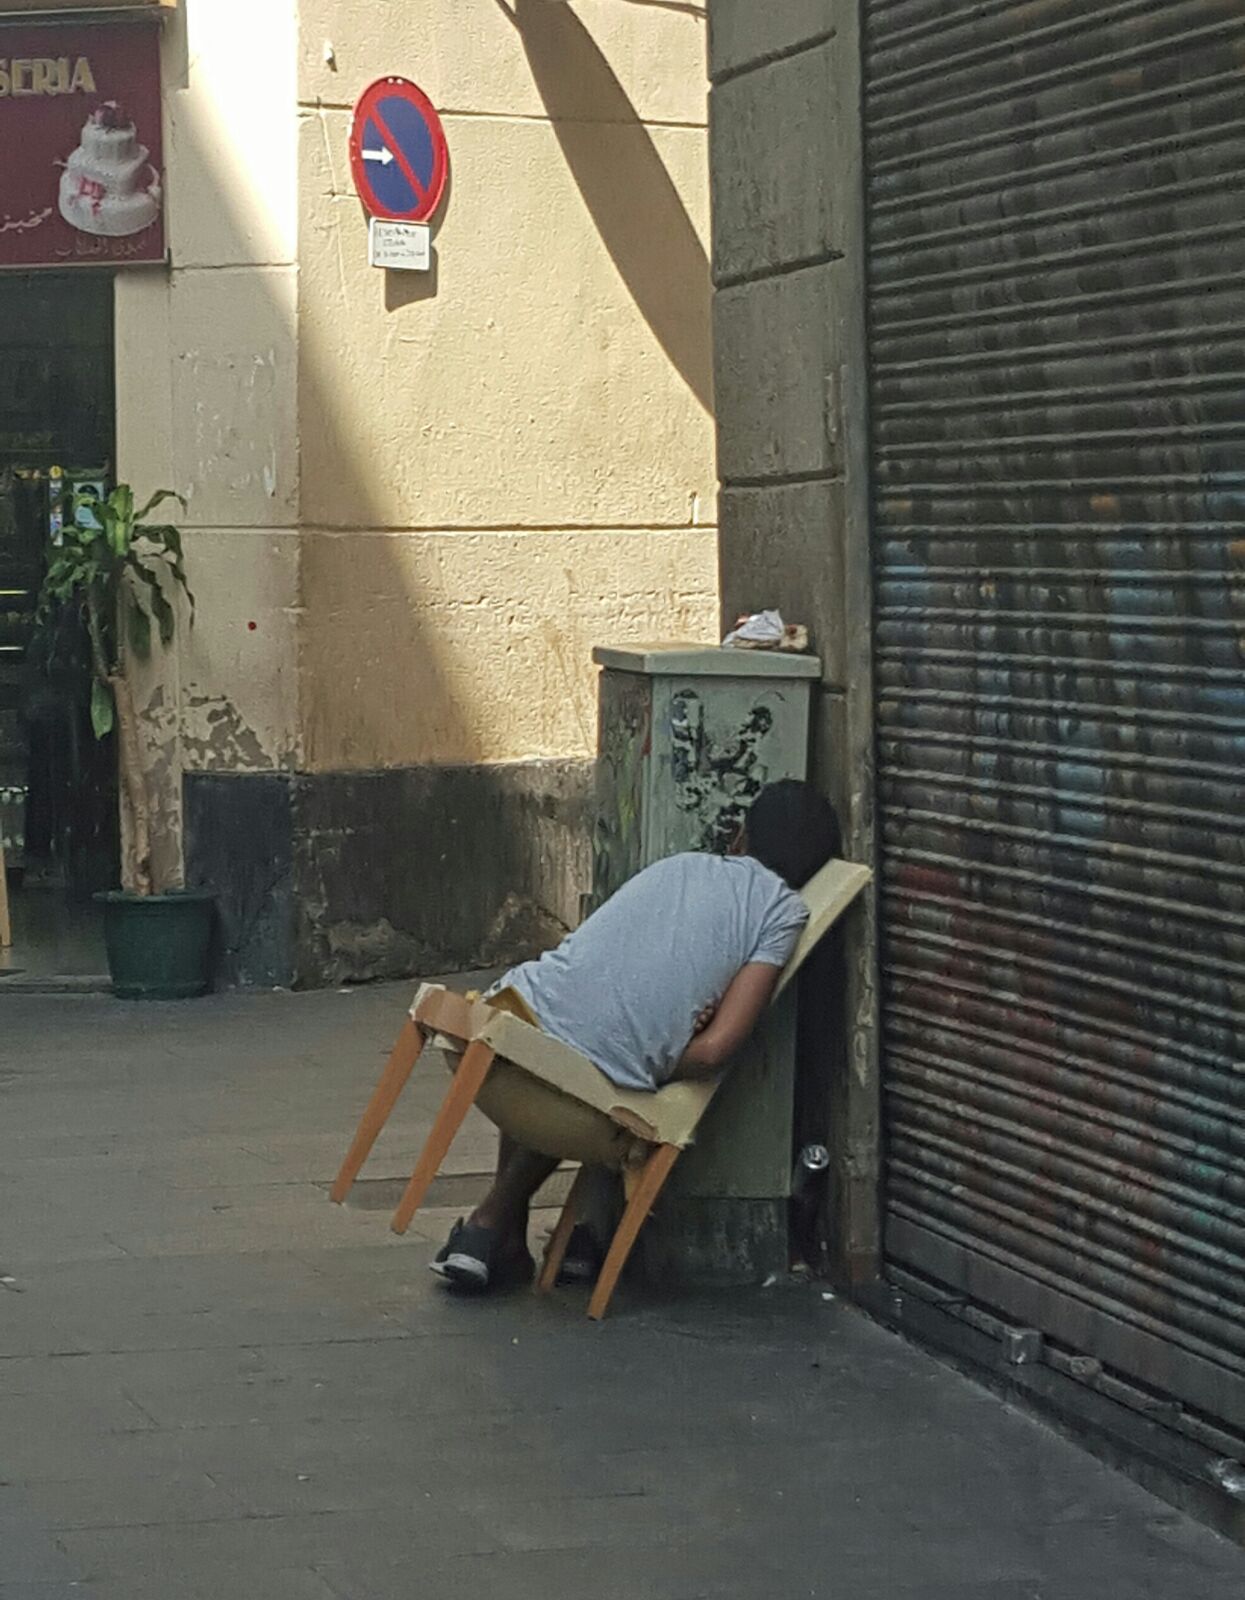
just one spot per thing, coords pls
(791, 389)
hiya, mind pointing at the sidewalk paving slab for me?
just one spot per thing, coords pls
(213, 1382)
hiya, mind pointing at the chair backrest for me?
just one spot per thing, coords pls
(827, 896)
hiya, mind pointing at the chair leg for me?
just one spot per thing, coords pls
(555, 1254)
(406, 1052)
(649, 1185)
(459, 1099)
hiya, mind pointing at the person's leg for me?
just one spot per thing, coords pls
(489, 1249)
(520, 1173)
(506, 1148)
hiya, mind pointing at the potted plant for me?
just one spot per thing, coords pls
(121, 574)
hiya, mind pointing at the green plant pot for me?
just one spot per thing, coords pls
(159, 945)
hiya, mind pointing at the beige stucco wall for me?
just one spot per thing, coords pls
(207, 394)
(514, 461)
(413, 505)
(207, 372)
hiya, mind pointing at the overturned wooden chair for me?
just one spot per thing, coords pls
(548, 1097)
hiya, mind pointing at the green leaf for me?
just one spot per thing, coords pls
(121, 501)
(101, 708)
(69, 572)
(167, 544)
(103, 544)
(158, 499)
(139, 628)
(155, 596)
(165, 616)
(114, 530)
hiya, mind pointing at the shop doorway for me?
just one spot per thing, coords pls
(57, 783)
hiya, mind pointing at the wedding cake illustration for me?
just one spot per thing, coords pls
(109, 186)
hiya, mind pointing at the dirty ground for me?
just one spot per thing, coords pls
(213, 1382)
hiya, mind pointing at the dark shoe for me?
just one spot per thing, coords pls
(582, 1261)
(469, 1259)
(463, 1259)
(514, 1270)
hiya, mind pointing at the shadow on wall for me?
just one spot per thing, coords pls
(632, 200)
(354, 875)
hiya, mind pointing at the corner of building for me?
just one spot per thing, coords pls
(792, 399)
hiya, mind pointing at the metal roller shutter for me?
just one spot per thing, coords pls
(1057, 343)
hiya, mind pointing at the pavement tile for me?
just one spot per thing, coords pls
(263, 1543)
(176, 1495)
(216, 1583)
(1143, 1555)
(346, 1473)
(44, 1591)
(104, 1409)
(29, 1553)
(742, 1564)
(213, 1382)
(124, 1457)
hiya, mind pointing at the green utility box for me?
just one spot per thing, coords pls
(688, 737)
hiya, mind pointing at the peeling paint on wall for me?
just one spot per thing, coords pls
(217, 738)
(157, 729)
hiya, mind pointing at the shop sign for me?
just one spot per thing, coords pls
(18, 7)
(80, 125)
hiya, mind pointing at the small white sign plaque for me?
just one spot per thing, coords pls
(400, 246)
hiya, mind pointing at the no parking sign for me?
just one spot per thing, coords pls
(398, 154)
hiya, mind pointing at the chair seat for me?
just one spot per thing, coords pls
(541, 1118)
(663, 1116)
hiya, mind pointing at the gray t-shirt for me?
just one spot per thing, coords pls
(626, 988)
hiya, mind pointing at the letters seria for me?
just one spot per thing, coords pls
(44, 75)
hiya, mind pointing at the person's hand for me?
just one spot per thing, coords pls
(704, 1018)
(729, 1023)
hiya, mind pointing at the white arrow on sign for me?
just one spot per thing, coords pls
(384, 155)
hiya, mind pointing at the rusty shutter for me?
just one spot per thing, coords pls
(1056, 262)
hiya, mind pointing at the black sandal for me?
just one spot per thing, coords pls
(468, 1259)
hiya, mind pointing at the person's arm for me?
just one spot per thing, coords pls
(750, 991)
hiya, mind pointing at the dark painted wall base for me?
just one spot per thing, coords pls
(693, 1242)
(698, 1242)
(332, 877)
(239, 841)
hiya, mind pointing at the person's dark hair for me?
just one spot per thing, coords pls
(793, 830)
